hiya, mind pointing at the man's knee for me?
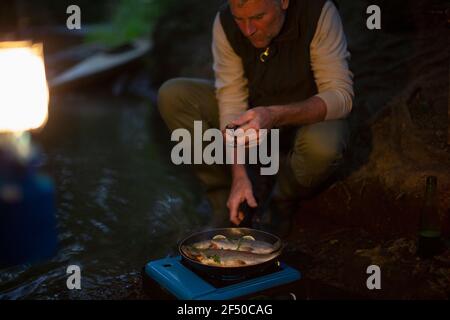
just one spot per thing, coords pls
(317, 152)
(170, 96)
(323, 151)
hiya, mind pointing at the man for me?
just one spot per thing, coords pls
(278, 64)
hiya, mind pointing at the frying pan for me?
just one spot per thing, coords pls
(231, 273)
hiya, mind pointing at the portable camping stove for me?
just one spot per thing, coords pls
(186, 284)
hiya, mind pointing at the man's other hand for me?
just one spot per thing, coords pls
(241, 190)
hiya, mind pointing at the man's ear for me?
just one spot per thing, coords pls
(284, 4)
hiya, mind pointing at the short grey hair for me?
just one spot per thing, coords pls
(242, 2)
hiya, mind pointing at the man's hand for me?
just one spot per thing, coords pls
(241, 190)
(256, 118)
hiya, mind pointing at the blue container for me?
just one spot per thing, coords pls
(27, 215)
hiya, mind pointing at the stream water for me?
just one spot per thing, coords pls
(120, 201)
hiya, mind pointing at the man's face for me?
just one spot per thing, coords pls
(259, 20)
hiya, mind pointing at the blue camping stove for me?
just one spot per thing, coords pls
(186, 284)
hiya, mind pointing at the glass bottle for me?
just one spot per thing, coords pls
(429, 241)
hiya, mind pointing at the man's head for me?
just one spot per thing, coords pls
(259, 20)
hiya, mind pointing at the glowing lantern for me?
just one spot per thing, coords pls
(24, 93)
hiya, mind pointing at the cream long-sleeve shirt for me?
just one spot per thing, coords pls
(329, 63)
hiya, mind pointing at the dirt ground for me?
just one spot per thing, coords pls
(370, 214)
